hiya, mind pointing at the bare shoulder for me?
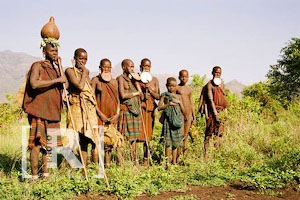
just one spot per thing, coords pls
(36, 65)
(95, 79)
(118, 78)
(155, 79)
(114, 81)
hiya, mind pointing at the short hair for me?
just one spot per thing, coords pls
(145, 60)
(123, 62)
(78, 51)
(103, 61)
(183, 70)
(171, 79)
(215, 68)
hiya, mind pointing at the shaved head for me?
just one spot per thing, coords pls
(79, 51)
(126, 62)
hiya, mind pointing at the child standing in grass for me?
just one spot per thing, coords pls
(172, 119)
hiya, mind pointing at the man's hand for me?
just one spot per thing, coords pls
(217, 116)
(175, 101)
(57, 61)
(147, 95)
(104, 119)
(194, 121)
(173, 104)
(114, 118)
(61, 79)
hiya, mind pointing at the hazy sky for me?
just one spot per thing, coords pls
(243, 37)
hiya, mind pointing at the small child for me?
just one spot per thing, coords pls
(189, 115)
(172, 119)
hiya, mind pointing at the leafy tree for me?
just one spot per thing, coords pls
(285, 75)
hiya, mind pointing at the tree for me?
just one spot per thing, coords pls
(285, 75)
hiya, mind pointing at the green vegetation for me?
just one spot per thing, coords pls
(260, 150)
(285, 74)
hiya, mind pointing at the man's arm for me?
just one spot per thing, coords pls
(161, 105)
(211, 100)
(77, 82)
(181, 105)
(40, 84)
(193, 107)
(154, 91)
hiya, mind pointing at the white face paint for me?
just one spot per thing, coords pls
(217, 81)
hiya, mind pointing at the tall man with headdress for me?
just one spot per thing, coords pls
(150, 89)
(130, 115)
(107, 96)
(83, 106)
(43, 101)
(212, 102)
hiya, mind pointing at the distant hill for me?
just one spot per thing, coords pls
(235, 87)
(13, 66)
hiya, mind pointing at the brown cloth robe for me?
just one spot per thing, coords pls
(43, 107)
(107, 99)
(148, 107)
(219, 98)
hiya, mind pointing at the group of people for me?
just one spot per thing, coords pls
(125, 105)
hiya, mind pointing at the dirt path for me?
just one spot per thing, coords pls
(216, 193)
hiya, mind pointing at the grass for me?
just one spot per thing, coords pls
(258, 150)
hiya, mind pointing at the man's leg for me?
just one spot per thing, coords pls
(45, 158)
(83, 142)
(146, 154)
(174, 155)
(34, 161)
(206, 144)
(134, 152)
(119, 153)
(168, 154)
(187, 126)
(107, 158)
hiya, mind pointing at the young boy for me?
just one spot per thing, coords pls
(189, 115)
(172, 119)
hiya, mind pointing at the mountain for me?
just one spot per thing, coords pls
(235, 87)
(13, 66)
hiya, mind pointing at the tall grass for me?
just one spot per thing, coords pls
(259, 150)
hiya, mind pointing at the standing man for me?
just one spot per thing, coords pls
(83, 106)
(43, 104)
(212, 102)
(107, 96)
(150, 94)
(130, 115)
(189, 115)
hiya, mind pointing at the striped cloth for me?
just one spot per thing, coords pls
(130, 116)
(172, 134)
(42, 132)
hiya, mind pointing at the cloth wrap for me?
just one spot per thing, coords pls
(43, 107)
(172, 123)
(130, 115)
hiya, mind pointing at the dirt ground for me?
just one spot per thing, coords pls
(230, 192)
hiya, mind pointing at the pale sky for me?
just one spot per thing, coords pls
(243, 37)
